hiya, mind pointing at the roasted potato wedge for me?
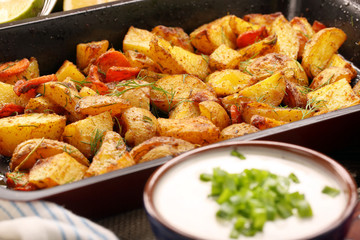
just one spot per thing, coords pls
(237, 130)
(157, 147)
(210, 36)
(112, 155)
(56, 170)
(7, 95)
(295, 95)
(42, 104)
(270, 90)
(86, 134)
(138, 40)
(86, 53)
(338, 61)
(262, 19)
(173, 89)
(94, 105)
(330, 75)
(140, 60)
(199, 130)
(332, 97)
(264, 67)
(176, 35)
(42, 148)
(258, 49)
(320, 48)
(287, 41)
(69, 69)
(63, 94)
(17, 129)
(304, 32)
(229, 81)
(215, 113)
(138, 125)
(176, 60)
(263, 123)
(224, 57)
(86, 91)
(277, 113)
(187, 109)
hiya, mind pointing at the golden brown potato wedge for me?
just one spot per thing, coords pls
(63, 94)
(210, 36)
(158, 147)
(229, 81)
(263, 123)
(330, 75)
(173, 89)
(304, 32)
(42, 104)
(86, 91)
(258, 49)
(7, 95)
(42, 148)
(176, 60)
(86, 53)
(295, 95)
(267, 65)
(176, 35)
(287, 41)
(238, 25)
(262, 19)
(86, 134)
(320, 48)
(224, 57)
(199, 130)
(332, 97)
(135, 92)
(94, 105)
(138, 40)
(112, 155)
(270, 90)
(56, 170)
(237, 130)
(215, 113)
(140, 60)
(69, 69)
(14, 130)
(138, 125)
(187, 109)
(356, 89)
(277, 113)
(338, 61)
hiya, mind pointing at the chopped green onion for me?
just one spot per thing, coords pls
(333, 192)
(251, 198)
(294, 178)
(237, 154)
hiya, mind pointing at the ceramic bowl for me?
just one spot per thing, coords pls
(179, 207)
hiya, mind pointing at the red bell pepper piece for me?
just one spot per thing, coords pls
(23, 86)
(250, 37)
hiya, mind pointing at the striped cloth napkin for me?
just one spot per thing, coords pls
(42, 220)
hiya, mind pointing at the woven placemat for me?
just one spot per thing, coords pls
(131, 225)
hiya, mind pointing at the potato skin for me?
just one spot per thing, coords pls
(157, 147)
(215, 113)
(16, 129)
(237, 130)
(112, 155)
(56, 170)
(199, 130)
(138, 125)
(47, 148)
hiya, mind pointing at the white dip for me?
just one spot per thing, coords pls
(182, 199)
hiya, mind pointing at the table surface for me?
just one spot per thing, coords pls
(133, 224)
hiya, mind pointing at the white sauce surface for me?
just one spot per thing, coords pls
(181, 198)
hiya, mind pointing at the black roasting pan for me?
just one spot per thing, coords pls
(52, 39)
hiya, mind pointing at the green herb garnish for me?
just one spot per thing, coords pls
(251, 198)
(235, 153)
(333, 192)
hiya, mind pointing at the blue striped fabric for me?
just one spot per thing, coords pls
(41, 220)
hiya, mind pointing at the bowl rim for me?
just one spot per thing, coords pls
(330, 164)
